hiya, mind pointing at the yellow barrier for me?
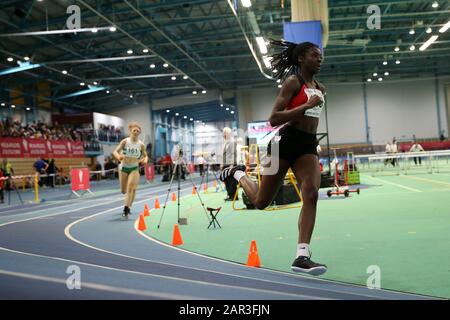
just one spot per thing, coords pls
(36, 188)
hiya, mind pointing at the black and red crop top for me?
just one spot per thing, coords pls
(303, 96)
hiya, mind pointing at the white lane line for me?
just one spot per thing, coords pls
(31, 208)
(379, 194)
(61, 213)
(151, 275)
(141, 193)
(69, 235)
(181, 279)
(101, 287)
(72, 203)
(429, 180)
(141, 273)
(54, 214)
(394, 184)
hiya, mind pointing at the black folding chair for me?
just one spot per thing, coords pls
(213, 216)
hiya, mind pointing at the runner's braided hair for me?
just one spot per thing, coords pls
(286, 62)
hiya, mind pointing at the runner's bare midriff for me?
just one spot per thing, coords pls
(130, 161)
(306, 124)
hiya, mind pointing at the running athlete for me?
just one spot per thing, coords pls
(297, 109)
(131, 153)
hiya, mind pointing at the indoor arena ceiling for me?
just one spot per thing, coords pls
(203, 44)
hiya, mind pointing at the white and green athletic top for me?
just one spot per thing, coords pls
(132, 150)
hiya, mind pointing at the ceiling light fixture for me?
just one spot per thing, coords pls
(445, 27)
(428, 43)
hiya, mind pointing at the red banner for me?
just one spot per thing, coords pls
(149, 172)
(11, 148)
(80, 179)
(59, 149)
(77, 150)
(36, 148)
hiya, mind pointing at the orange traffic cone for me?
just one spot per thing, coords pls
(253, 257)
(146, 211)
(174, 197)
(141, 225)
(176, 240)
(157, 206)
(214, 184)
(205, 187)
(194, 190)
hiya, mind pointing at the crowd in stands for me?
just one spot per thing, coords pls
(42, 130)
(109, 133)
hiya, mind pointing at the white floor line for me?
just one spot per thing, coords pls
(268, 270)
(163, 277)
(429, 180)
(394, 184)
(70, 211)
(97, 286)
(141, 193)
(135, 272)
(73, 201)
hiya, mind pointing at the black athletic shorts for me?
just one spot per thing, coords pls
(294, 143)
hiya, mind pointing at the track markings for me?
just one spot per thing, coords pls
(395, 184)
(446, 184)
(97, 286)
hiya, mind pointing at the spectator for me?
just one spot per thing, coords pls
(159, 165)
(8, 171)
(96, 166)
(149, 152)
(242, 151)
(229, 158)
(201, 164)
(109, 165)
(416, 147)
(391, 149)
(167, 167)
(394, 151)
(51, 170)
(442, 136)
(2, 184)
(40, 165)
